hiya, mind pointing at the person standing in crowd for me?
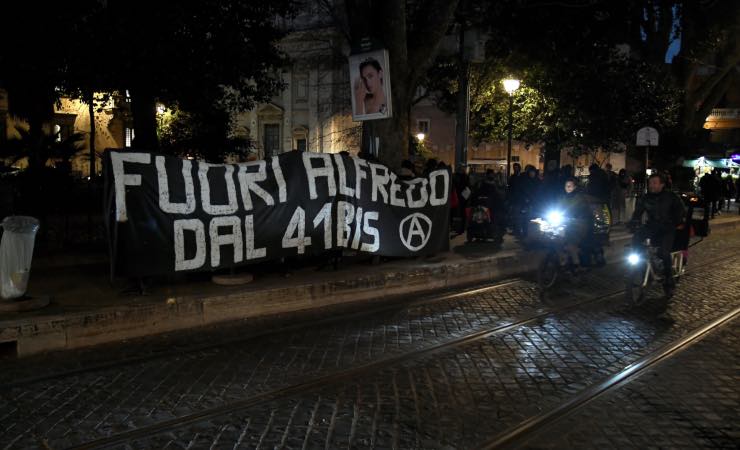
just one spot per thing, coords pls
(514, 177)
(551, 186)
(566, 173)
(709, 186)
(488, 195)
(731, 192)
(461, 185)
(724, 192)
(613, 184)
(598, 183)
(514, 197)
(430, 167)
(528, 189)
(407, 170)
(624, 185)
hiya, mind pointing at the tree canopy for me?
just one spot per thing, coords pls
(204, 56)
(593, 72)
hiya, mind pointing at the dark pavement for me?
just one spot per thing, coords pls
(456, 371)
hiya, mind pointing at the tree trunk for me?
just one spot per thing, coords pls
(393, 134)
(91, 110)
(37, 156)
(144, 110)
(411, 52)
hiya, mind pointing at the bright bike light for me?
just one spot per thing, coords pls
(633, 258)
(554, 218)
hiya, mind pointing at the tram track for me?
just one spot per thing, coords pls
(354, 372)
(183, 350)
(524, 432)
(188, 349)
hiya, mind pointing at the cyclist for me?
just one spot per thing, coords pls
(665, 213)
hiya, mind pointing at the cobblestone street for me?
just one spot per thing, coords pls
(459, 370)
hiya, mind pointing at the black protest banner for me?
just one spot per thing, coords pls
(166, 214)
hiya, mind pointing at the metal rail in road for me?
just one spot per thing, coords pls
(354, 372)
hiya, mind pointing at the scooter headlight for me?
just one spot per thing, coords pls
(554, 218)
(633, 258)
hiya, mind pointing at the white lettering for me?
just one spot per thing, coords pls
(358, 229)
(252, 253)
(324, 216)
(395, 190)
(423, 194)
(121, 179)
(379, 180)
(343, 188)
(435, 200)
(199, 259)
(205, 190)
(359, 174)
(371, 231)
(234, 238)
(282, 189)
(248, 182)
(345, 215)
(164, 189)
(326, 171)
(297, 226)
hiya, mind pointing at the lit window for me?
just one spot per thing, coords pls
(301, 88)
(57, 132)
(128, 96)
(129, 137)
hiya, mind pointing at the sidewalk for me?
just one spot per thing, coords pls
(86, 310)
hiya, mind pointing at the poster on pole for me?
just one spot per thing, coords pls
(370, 84)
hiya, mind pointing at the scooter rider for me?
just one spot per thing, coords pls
(576, 209)
(665, 212)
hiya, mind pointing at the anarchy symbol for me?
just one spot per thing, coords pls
(416, 224)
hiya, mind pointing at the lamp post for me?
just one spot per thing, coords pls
(510, 85)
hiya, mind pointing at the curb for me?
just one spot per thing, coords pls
(115, 323)
(105, 325)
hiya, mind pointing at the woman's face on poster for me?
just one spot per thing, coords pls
(372, 79)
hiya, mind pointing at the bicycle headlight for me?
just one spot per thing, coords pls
(554, 218)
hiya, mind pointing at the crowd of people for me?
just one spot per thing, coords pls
(529, 190)
(718, 191)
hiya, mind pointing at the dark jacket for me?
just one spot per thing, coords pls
(598, 185)
(577, 212)
(710, 187)
(665, 210)
(575, 206)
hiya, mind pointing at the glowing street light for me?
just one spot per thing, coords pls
(420, 137)
(511, 85)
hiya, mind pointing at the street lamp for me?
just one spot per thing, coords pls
(420, 137)
(510, 85)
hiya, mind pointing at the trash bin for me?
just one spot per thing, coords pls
(16, 252)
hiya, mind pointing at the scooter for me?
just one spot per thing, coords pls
(557, 261)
